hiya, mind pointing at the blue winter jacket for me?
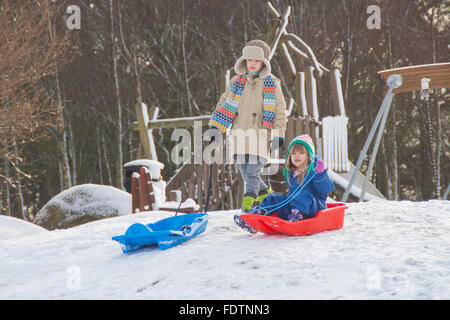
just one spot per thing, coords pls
(309, 201)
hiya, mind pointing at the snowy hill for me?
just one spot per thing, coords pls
(386, 250)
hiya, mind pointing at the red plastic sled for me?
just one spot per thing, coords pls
(331, 218)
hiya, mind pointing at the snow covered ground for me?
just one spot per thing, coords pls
(386, 250)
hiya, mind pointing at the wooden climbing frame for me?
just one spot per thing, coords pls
(192, 180)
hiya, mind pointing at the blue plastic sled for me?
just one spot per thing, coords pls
(166, 232)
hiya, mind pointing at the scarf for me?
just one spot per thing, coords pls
(223, 116)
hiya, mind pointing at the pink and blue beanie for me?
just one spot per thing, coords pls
(309, 145)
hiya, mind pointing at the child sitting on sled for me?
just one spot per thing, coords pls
(302, 167)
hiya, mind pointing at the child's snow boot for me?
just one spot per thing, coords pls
(295, 215)
(247, 203)
(262, 195)
(242, 224)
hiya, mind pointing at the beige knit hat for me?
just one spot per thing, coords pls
(256, 50)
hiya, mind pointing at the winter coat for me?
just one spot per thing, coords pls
(309, 201)
(247, 132)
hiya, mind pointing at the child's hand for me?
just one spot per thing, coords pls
(319, 166)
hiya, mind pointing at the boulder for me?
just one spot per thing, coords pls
(81, 204)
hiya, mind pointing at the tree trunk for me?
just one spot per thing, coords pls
(72, 154)
(8, 192)
(19, 182)
(394, 177)
(118, 119)
(108, 169)
(61, 125)
(99, 154)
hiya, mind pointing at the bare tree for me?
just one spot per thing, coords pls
(28, 58)
(118, 120)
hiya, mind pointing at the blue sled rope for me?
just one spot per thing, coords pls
(288, 198)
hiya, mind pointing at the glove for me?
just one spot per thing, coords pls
(319, 165)
(295, 215)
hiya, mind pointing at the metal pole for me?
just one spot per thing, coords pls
(394, 81)
(375, 148)
(444, 197)
(209, 188)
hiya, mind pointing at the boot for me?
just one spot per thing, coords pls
(247, 203)
(242, 224)
(262, 195)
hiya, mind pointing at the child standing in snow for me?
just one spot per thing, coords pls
(253, 107)
(301, 166)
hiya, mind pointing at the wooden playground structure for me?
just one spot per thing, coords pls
(329, 132)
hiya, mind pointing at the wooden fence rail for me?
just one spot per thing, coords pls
(192, 180)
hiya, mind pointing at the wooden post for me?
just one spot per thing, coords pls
(281, 30)
(141, 152)
(222, 177)
(307, 125)
(205, 172)
(229, 174)
(241, 191)
(190, 183)
(311, 99)
(145, 132)
(290, 129)
(311, 93)
(199, 175)
(154, 111)
(221, 182)
(135, 190)
(299, 127)
(336, 93)
(146, 196)
(215, 182)
(288, 59)
(172, 196)
(142, 117)
(302, 108)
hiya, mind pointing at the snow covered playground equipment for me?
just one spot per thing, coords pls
(329, 132)
(422, 78)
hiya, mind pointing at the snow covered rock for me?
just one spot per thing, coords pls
(81, 204)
